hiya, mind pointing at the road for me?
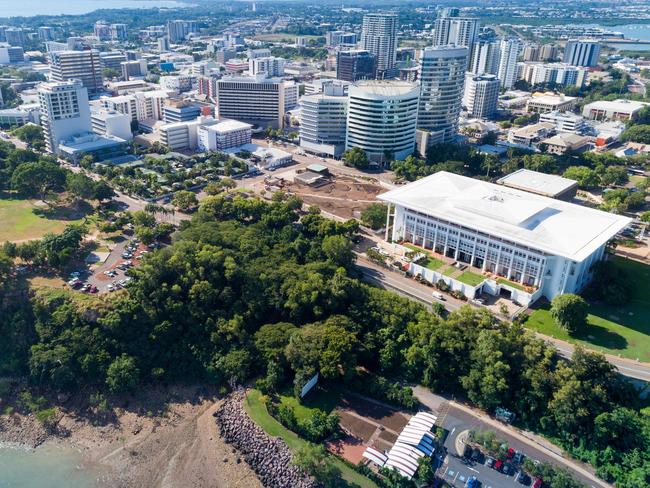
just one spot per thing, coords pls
(410, 288)
(458, 419)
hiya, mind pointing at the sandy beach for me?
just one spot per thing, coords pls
(134, 447)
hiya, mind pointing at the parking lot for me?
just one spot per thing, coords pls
(457, 470)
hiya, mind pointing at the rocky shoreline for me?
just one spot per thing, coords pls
(269, 457)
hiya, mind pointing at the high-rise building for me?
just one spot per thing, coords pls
(382, 118)
(102, 31)
(178, 30)
(549, 52)
(442, 77)
(112, 60)
(379, 36)
(555, 73)
(509, 51)
(46, 33)
(119, 32)
(271, 65)
(163, 44)
(336, 38)
(461, 31)
(355, 65)
(581, 53)
(180, 111)
(485, 57)
(111, 123)
(11, 54)
(15, 36)
(65, 111)
(77, 65)
(531, 52)
(324, 120)
(255, 99)
(481, 95)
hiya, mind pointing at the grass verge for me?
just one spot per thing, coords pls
(257, 411)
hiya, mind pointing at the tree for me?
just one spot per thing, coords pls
(614, 175)
(315, 461)
(637, 133)
(374, 215)
(356, 157)
(185, 200)
(102, 191)
(586, 177)
(122, 374)
(569, 311)
(80, 185)
(110, 73)
(338, 249)
(271, 339)
(38, 178)
(645, 216)
(31, 134)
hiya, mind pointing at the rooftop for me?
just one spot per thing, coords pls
(386, 88)
(551, 99)
(542, 223)
(535, 182)
(617, 105)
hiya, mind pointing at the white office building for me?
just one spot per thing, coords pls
(179, 136)
(557, 73)
(481, 95)
(134, 69)
(581, 53)
(324, 120)
(223, 135)
(336, 38)
(77, 65)
(442, 77)
(512, 243)
(382, 117)
(613, 110)
(565, 122)
(11, 54)
(255, 99)
(270, 65)
(111, 123)
(178, 30)
(509, 50)
(140, 106)
(64, 112)
(379, 37)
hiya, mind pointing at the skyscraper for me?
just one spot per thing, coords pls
(509, 50)
(581, 53)
(64, 111)
(485, 57)
(461, 31)
(481, 95)
(324, 120)
(83, 65)
(382, 117)
(442, 77)
(379, 36)
(355, 65)
(119, 32)
(178, 30)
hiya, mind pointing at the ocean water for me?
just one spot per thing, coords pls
(47, 466)
(28, 8)
(631, 31)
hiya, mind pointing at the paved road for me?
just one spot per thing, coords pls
(458, 419)
(410, 288)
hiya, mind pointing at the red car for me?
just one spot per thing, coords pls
(510, 454)
(538, 483)
(498, 465)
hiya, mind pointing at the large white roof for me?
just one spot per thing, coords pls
(552, 226)
(536, 182)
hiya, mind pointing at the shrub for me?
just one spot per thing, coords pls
(569, 311)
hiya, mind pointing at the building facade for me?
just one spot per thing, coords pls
(481, 96)
(519, 245)
(442, 78)
(64, 112)
(508, 53)
(83, 65)
(581, 53)
(356, 65)
(382, 118)
(324, 121)
(379, 36)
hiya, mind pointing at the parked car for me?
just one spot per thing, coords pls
(477, 455)
(523, 479)
(538, 483)
(510, 453)
(498, 465)
(489, 461)
(473, 483)
(508, 469)
(476, 301)
(467, 453)
(438, 296)
(519, 457)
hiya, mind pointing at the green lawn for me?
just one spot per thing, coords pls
(621, 329)
(257, 411)
(431, 263)
(511, 284)
(21, 220)
(471, 279)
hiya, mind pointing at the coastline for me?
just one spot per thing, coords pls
(180, 448)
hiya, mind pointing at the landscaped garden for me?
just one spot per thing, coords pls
(511, 284)
(622, 329)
